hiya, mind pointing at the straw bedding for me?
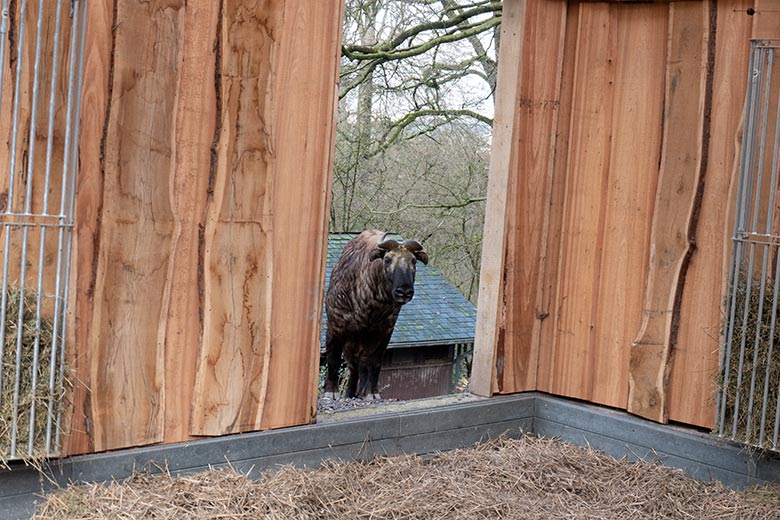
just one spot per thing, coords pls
(38, 331)
(760, 364)
(529, 478)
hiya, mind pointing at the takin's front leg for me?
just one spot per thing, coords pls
(333, 348)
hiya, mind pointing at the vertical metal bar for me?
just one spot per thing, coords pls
(750, 196)
(6, 227)
(775, 291)
(58, 299)
(69, 110)
(762, 139)
(34, 111)
(773, 321)
(74, 165)
(12, 174)
(27, 210)
(742, 345)
(756, 342)
(755, 228)
(19, 336)
(736, 253)
(45, 211)
(52, 104)
(4, 303)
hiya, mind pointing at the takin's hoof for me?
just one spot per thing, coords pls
(330, 395)
(372, 397)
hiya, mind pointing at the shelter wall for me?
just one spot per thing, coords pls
(201, 222)
(615, 149)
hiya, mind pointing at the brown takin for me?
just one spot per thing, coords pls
(372, 279)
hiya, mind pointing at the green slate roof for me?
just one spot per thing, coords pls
(438, 315)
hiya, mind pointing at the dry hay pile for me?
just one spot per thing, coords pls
(530, 478)
(31, 328)
(761, 359)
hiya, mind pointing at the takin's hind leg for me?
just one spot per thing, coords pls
(352, 382)
(373, 382)
(364, 381)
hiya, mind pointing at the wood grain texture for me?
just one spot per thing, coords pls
(583, 209)
(606, 204)
(529, 195)
(691, 387)
(554, 233)
(305, 132)
(196, 94)
(89, 204)
(490, 308)
(200, 144)
(636, 130)
(676, 207)
(127, 330)
(232, 372)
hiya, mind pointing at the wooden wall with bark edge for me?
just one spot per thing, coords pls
(567, 326)
(206, 153)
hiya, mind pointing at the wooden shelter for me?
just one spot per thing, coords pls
(201, 211)
(615, 153)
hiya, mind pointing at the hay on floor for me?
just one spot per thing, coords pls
(529, 478)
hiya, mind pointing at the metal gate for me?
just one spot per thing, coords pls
(749, 391)
(41, 69)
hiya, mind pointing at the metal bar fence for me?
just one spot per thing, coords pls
(749, 389)
(44, 72)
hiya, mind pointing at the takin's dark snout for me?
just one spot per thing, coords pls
(372, 279)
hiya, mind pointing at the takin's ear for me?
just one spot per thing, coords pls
(422, 256)
(376, 254)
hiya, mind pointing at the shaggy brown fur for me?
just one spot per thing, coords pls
(370, 282)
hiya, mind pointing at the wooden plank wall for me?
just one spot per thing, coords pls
(612, 286)
(205, 155)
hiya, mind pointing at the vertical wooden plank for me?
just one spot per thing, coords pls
(609, 171)
(677, 202)
(586, 187)
(553, 223)
(529, 194)
(128, 319)
(304, 137)
(490, 307)
(265, 232)
(237, 274)
(633, 173)
(196, 95)
(89, 202)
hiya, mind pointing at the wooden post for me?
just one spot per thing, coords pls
(490, 308)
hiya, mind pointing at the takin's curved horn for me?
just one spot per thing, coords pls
(387, 243)
(412, 245)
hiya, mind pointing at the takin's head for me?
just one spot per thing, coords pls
(400, 265)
